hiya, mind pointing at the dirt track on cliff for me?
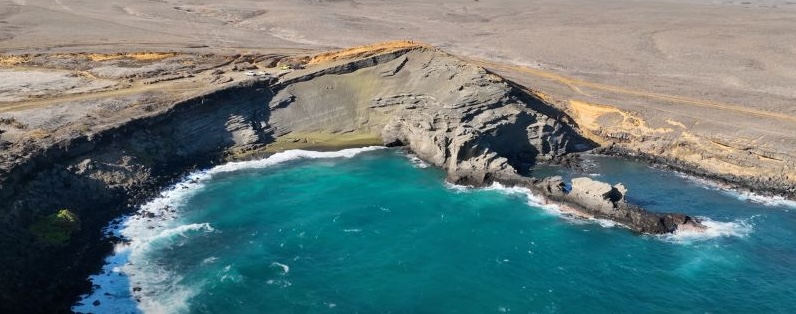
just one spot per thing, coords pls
(577, 84)
(724, 71)
(706, 87)
(175, 87)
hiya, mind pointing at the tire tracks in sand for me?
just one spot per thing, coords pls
(175, 87)
(577, 84)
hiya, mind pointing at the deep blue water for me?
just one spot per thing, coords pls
(376, 233)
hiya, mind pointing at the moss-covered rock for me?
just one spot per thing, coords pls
(57, 228)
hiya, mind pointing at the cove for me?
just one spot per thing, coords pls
(371, 230)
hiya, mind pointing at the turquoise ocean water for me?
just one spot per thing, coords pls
(372, 231)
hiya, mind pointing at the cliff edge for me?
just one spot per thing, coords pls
(160, 116)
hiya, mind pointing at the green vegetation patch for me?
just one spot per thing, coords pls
(56, 229)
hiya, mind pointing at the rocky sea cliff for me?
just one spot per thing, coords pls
(474, 125)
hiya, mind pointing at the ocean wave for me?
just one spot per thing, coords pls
(536, 201)
(143, 284)
(740, 228)
(417, 162)
(532, 200)
(458, 188)
(288, 156)
(229, 274)
(155, 288)
(742, 195)
(171, 299)
(285, 269)
(775, 201)
(159, 290)
(182, 231)
(112, 290)
(715, 229)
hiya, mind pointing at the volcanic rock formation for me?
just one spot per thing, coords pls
(473, 124)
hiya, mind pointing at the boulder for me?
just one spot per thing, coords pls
(594, 194)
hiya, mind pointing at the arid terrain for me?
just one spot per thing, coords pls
(102, 103)
(705, 82)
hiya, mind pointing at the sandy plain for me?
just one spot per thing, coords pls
(708, 83)
(723, 72)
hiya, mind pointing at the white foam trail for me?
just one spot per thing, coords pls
(532, 199)
(776, 201)
(154, 225)
(181, 231)
(288, 156)
(161, 289)
(209, 260)
(458, 188)
(230, 274)
(113, 289)
(715, 229)
(417, 162)
(285, 268)
(773, 201)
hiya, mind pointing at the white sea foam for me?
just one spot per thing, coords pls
(458, 188)
(209, 260)
(279, 282)
(773, 201)
(288, 156)
(715, 229)
(507, 190)
(113, 288)
(158, 290)
(417, 162)
(161, 290)
(230, 274)
(285, 268)
(532, 199)
(764, 200)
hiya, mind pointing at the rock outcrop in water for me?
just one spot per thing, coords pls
(473, 124)
(594, 199)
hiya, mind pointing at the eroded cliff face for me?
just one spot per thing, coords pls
(100, 176)
(734, 161)
(455, 115)
(476, 126)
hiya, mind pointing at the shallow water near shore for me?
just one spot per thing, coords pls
(372, 230)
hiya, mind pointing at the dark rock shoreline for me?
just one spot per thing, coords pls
(474, 125)
(119, 169)
(590, 199)
(762, 187)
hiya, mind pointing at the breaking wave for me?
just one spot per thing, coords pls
(288, 156)
(715, 229)
(748, 196)
(776, 201)
(130, 279)
(551, 208)
(417, 162)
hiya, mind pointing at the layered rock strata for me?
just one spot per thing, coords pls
(594, 199)
(473, 124)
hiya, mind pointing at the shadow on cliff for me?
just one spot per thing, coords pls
(104, 176)
(565, 137)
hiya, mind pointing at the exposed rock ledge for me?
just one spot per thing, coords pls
(588, 198)
(457, 116)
